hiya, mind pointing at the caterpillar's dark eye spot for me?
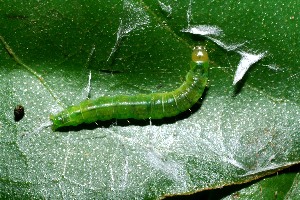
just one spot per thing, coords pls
(19, 112)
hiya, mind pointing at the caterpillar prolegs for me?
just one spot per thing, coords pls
(141, 106)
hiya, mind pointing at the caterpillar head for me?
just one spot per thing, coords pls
(199, 54)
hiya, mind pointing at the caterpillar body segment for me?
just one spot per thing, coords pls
(141, 106)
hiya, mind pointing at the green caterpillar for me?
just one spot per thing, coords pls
(141, 106)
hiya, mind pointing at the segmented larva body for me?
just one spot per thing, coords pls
(141, 106)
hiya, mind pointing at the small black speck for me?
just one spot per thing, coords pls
(19, 112)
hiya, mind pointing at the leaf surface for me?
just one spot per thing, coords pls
(234, 134)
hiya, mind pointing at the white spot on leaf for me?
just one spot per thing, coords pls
(166, 8)
(203, 30)
(246, 61)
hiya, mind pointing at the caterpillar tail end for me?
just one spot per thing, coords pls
(56, 122)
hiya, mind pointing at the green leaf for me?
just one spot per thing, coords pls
(283, 186)
(235, 134)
